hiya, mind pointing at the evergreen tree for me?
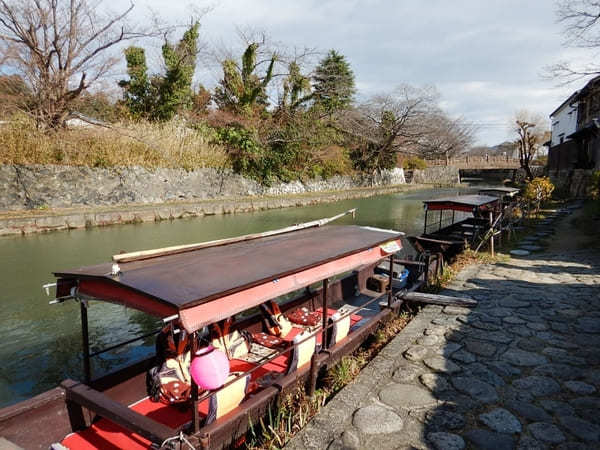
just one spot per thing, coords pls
(241, 90)
(333, 83)
(160, 97)
(136, 90)
(176, 87)
(296, 89)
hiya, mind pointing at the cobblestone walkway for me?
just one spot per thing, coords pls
(522, 370)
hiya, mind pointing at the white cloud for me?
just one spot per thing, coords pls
(485, 57)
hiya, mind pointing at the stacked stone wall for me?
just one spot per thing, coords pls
(54, 186)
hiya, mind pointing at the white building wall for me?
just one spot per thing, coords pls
(564, 123)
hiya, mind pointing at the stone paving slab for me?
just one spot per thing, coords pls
(521, 370)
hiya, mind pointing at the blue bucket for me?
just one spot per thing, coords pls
(403, 278)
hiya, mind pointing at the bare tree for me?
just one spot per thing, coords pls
(581, 28)
(60, 48)
(386, 125)
(531, 133)
(445, 136)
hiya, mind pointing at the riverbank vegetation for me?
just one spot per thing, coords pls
(151, 145)
(275, 113)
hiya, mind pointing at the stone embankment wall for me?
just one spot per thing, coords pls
(573, 183)
(45, 198)
(31, 187)
(436, 175)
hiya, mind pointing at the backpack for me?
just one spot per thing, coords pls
(169, 379)
(235, 344)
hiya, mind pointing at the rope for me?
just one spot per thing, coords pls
(179, 438)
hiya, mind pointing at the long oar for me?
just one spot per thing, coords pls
(147, 254)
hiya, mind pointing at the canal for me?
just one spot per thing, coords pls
(41, 343)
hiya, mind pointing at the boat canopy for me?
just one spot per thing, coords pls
(466, 203)
(208, 284)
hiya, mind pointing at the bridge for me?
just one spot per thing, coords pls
(477, 162)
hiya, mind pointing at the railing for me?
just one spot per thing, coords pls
(477, 162)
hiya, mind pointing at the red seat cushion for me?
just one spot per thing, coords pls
(268, 340)
(302, 316)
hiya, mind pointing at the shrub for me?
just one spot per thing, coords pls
(414, 163)
(595, 184)
(246, 155)
(328, 162)
(538, 191)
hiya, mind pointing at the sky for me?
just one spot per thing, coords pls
(486, 57)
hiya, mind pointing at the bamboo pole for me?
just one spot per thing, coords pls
(490, 232)
(147, 254)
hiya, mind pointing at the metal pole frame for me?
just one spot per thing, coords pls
(193, 343)
(85, 338)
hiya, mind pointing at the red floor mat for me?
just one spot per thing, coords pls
(105, 434)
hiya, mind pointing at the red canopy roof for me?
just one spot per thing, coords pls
(166, 285)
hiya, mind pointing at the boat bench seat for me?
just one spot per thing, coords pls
(354, 318)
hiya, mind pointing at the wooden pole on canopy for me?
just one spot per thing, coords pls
(324, 293)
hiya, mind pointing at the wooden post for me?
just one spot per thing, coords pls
(87, 371)
(324, 293)
(193, 343)
(390, 293)
(440, 258)
(441, 215)
(425, 224)
(428, 262)
(312, 377)
(76, 417)
(501, 212)
(492, 228)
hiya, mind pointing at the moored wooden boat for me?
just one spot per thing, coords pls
(322, 271)
(461, 222)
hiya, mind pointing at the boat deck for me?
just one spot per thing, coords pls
(104, 434)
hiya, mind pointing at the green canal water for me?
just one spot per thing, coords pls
(41, 343)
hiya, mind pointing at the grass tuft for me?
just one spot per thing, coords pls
(151, 145)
